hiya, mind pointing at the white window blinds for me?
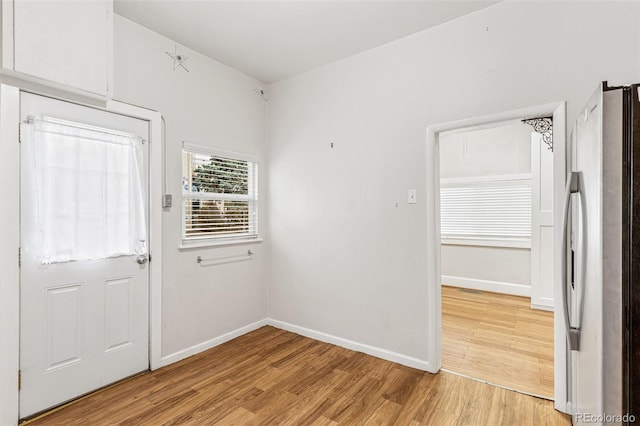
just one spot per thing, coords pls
(86, 189)
(496, 208)
(219, 195)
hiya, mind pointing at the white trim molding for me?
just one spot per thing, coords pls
(303, 331)
(9, 243)
(488, 285)
(209, 243)
(354, 346)
(211, 343)
(487, 242)
(488, 178)
(547, 306)
(155, 222)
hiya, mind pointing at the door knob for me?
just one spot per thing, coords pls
(142, 259)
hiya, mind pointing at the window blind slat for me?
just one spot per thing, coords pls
(500, 209)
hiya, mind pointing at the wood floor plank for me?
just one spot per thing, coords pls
(384, 414)
(498, 338)
(271, 376)
(238, 416)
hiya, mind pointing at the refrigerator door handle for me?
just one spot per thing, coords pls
(574, 185)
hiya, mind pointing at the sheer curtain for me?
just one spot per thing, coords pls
(87, 191)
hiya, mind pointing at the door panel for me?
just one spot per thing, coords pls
(64, 329)
(83, 323)
(542, 235)
(118, 313)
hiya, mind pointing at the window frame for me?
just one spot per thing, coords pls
(251, 198)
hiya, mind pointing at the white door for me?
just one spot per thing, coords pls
(84, 301)
(542, 265)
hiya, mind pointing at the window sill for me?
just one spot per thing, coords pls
(487, 242)
(205, 244)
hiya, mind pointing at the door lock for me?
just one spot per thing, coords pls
(142, 259)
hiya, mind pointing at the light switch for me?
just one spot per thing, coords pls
(412, 196)
(167, 201)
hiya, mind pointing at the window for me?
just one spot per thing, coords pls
(496, 207)
(219, 195)
(86, 191)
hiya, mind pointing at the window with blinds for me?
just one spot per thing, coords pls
(490, 208)
(219, 195)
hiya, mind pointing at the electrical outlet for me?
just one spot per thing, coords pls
(411, 196)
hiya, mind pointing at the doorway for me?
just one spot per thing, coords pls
(84, 302)
(496, 216)
(434, 132)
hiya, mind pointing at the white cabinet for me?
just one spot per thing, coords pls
(66, 44)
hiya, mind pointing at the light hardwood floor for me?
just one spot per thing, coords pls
(271, 376)
(498, 338)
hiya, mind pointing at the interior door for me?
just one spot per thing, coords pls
(84, 300)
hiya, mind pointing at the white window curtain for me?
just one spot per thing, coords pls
(87, 191)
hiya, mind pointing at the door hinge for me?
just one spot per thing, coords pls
(19, 379)
(19, 256)
(19, 132)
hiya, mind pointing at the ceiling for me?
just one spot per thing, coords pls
(273, 40)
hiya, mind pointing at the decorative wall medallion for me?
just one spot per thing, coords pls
(544, 126)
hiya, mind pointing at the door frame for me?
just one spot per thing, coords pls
(558, 111)
(10, 240)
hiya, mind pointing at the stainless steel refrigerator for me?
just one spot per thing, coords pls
(601, 266)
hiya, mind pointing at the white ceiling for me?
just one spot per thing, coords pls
(273, 40)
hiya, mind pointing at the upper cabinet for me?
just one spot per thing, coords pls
(66, 44)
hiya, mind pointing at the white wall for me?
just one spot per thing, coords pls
(343, 259)
(502, 150)
(211, 105)
(507, 265)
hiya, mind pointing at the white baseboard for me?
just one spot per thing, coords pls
(200, 347)
(355, 346)
(313, 334)
(542, 303)
(486, 285)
